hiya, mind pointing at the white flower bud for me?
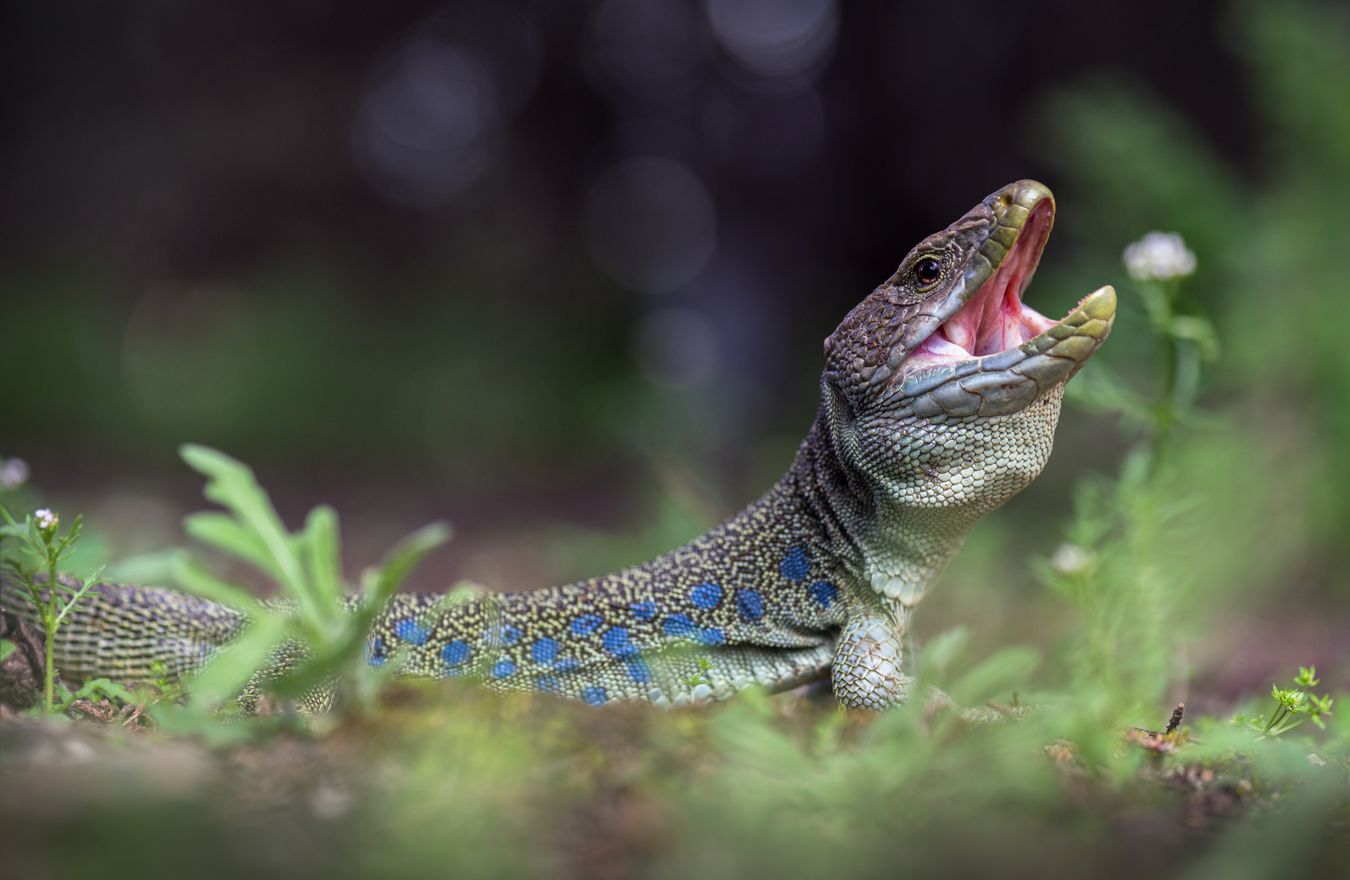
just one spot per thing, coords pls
(1159, 256)
(13, 473)
(1070, 559)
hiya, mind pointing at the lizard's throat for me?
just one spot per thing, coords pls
(901, 563)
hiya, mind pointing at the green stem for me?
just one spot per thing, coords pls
(1169, 403)
(1275, 717)
(49, 624)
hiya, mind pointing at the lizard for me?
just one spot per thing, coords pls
(939, 399)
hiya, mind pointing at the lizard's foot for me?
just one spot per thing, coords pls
(868, 664)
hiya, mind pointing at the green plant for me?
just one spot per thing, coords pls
(316, 623)
(1113, 564)
(1293, 706)
(37, 547)
(700, 674)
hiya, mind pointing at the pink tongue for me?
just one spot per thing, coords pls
(992, 321)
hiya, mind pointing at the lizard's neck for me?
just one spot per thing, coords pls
(892, 551)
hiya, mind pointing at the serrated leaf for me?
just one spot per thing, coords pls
(232, 484)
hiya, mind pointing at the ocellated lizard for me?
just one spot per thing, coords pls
(938, 402)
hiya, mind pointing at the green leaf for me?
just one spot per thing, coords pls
(942, 653)
(995, 675)
(1200, 331)
(148, 568)
(232, 485)
(103, 687)
(77, 595)
(198, 581)
(226, 535)
(322, 557)
(379, 587)
(6, 648)
(402, 559)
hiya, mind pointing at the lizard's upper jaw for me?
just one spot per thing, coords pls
(996, 353)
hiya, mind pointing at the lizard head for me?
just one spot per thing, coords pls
(942, 389)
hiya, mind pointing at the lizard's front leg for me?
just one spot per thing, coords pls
(869, 661)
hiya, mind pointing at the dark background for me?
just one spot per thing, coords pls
(560, 272)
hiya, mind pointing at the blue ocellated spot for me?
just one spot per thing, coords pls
(711, 636)
(548, 684)
(644, 610)
(456, 652)
(796, 565)
(638, 670)
(824, 593)
(750, 604)
(544, 651)
(616, 641)
(567, 664)
(510, 634)
(377, 654)
(679, 626)
(409, 630)
(503, 667)
(586, 624)
(593, 695)
(706, 595)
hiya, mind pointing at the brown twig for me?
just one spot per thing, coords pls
(1175, 721)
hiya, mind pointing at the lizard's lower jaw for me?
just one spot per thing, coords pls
(1007, 381)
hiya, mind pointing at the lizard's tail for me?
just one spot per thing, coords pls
(126, 633)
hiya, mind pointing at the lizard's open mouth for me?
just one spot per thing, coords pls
(997, 353)
(995, 318)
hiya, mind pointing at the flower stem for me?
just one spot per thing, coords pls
(1170, 397)
(49, 624)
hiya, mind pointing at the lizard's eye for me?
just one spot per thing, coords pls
(927, 271)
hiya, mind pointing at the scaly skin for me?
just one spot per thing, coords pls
(913, 444)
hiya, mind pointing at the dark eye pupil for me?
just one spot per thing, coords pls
(927, 270)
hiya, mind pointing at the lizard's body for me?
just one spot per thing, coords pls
(938, 402)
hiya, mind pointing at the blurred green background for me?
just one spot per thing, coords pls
(560, 272)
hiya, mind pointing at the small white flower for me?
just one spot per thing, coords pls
(13, 473)
(45, 519)
(1070, 559)
(1159, 256)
